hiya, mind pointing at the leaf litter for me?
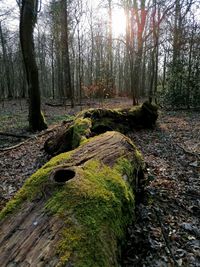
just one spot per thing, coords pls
(167, 227)
(167, 230)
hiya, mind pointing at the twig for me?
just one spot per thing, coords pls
(15, 146)
(33, 137)
(165, 237)
(188, 152)
(15, 135)
(55, 105)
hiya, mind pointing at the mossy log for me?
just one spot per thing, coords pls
(75, 210)
(96, 121)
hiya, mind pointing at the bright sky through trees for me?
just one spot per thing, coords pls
(9, 12)
(119, 22)
(118, 26)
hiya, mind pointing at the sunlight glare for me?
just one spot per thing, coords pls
(118, 22)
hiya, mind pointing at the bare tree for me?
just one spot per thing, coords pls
(65, 52)
(28, 16)
(5, 62)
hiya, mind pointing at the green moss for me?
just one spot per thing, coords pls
(139, 157)
(58, 118)
(102, 206)
(130, 169)
(81, 129)
(31, 187)
(35, 185)
(96, 206)
(124, 166)
(121, 120)
(58, 160)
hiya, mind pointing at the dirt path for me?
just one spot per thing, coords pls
(167, 230)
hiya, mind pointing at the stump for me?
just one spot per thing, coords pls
(96, 121)
(75, 210)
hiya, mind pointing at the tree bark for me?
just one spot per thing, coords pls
(75, 210)
(65, 53)
(5, 62)
(96, 121)
(27, 22)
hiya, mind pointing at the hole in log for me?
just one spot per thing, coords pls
(101, 129)
(63, 175)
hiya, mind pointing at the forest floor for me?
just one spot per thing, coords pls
(167, 227)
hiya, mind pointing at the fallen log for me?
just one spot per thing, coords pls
(95, 121)
(75, 210)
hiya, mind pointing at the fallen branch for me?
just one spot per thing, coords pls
(165, 236)
(15, 146)
(68, 105)
(31, 138)
(56, 104)
(15, 135)
(188, 152)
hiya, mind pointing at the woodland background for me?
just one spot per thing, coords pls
(79, 55)
(85, 61)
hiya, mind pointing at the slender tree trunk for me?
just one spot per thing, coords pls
(65, 50)
(79, 66)
(164, 72)
(132, 54)
(92, 54)
(152, 75)
(127, 73)
(59, 69)
(52, 69)
(157, 36)
(143, 74)
(5, 62)
(27, 22)
(132, 80)
(110, 50)
(156, 73)
(2, 89)
(155, 52)
(189, 72)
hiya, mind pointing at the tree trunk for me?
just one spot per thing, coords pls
(27, 22)
(189, 72)
(75, 210)
(164, 71)
(52, 69)
(152, 75)
(110, 73)
(65, 53)
(96, 121)
(5, 62)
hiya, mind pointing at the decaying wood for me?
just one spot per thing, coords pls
(30, 234)
(102, 120)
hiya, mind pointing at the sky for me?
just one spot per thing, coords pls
(13, 19)
(118, 15)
